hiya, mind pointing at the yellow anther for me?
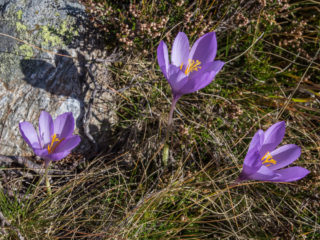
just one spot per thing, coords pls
(192, 66)
(52, 146)
(267, 158)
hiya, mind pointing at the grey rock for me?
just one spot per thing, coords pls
(32, 80)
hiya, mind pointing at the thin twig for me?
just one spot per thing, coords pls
(34, 46)
(247, 48)
(45, 50)
(298, 85)
(290, 64)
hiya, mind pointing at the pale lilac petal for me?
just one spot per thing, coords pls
(163, 58)
(173, 71)
(42, 152)
(263, 174)
(252, 161)
(180, 50)
(257, 140)
(196, 83)
(177, 79)
(45, 128)
(284, 156)
(64, 125)
(272, 137)
(68, 144)
(65, 148)
(251, 164)
(205, 48)
(210, 66)
(58, 156)
(290, 174)
(214, 66)
(203, 77)
(29, 134)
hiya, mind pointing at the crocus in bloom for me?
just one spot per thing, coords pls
(265, 162)
(55, 139)
(189, 70)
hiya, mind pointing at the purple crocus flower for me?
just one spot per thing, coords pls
(55, 139)
(191, 70)
(264, 161)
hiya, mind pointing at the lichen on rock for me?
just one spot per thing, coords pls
(26, 51)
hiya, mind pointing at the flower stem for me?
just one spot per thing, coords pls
(165, 151)
(47, 164)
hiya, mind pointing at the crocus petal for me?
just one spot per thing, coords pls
(290, 174)
(252, 161)
(272, 137)
(257, 140)
(45, 128)
(42, 152)
(29, 134)
(163, 58)
(263, 174)
(180, 50)
(177, 79)
(58, 156)
(64, 125)
(205, 48)
(65, 148)
(68, 144)
(212, 66)
(202, 78)
(251, 164)
(215, 66)
(194, 84)
(284, 156)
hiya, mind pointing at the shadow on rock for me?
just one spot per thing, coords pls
(60, 78)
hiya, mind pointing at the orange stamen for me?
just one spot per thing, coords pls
(267, 158)
(52, 146)
(192, 66)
